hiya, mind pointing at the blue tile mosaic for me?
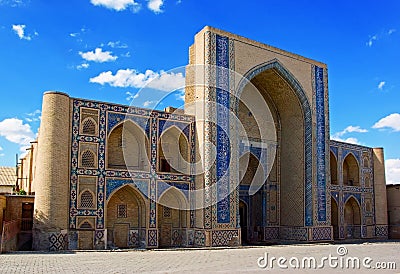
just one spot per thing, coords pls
(223, 142)
(113, 184)
(321, 156)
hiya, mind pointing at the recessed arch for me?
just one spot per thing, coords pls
(170, 142)
(278, 85)
(173, 217)
(351, 170)
(352, 218)
(127, 147)
(126, 211)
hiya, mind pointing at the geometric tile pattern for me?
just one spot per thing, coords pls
(381, 231)
(56, 240)
(294, 233)
(223, 237)
(321, 233)
(271, 233)
(152, 238)
(199, 238)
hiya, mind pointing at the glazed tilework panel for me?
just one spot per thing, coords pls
(114, 119)
(294, 233)
(223, 237)
(223, 140)
(57, 241)
(321, 166)
(322, 233)
(199, 238)
(114, 184)
(109, 180)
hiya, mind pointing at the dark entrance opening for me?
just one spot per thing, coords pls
(243, 221)
(25, 236)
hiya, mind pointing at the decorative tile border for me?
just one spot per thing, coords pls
(321, 143)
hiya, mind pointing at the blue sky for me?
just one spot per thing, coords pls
(108, 49)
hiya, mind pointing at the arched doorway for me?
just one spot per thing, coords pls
(352, 219)
(335, 218)
(173, 218)
(126, 218)
(351, 171)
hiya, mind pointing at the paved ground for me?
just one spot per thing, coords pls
(238, 260)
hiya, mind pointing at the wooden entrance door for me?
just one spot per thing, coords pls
(121, 233)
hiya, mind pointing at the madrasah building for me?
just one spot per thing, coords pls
(249, 160)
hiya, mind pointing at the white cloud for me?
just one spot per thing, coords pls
(74, 34)
(126, 55)
(350, 140)
(1, 148)
(350, 129)
(381, 85)
(117, 5)
(20, 31)
(371, 40)
(98, 55)
(155, 5)
(392, 170)
(82, 66)
(34, 116)
(131, 78)
(181, 95)
(391, 121)
(338, 136)
(117, 44)
(130, 96)
(15, 131)
(148, 103)
(391, 31)
(14, 3)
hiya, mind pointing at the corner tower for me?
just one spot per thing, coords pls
(52, 171)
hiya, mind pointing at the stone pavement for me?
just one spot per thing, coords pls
(229, 260)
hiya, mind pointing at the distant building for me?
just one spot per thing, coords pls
(393, 200)
(8, 180)
(108, 175)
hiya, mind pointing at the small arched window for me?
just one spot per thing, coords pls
(88, 159)
(89, 127)
(87, 199)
